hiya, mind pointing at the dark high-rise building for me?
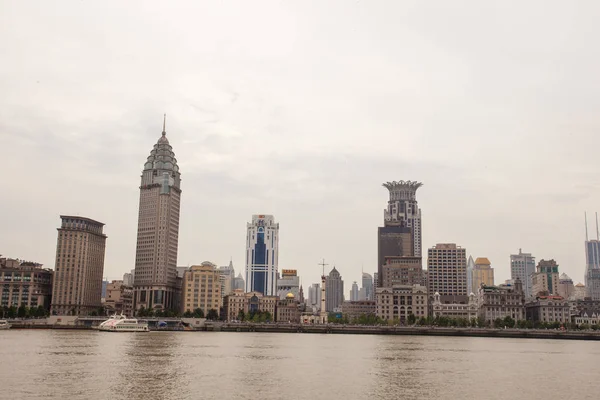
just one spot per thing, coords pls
(155, 283)
(334, 294)
(401, 234)
(592, 264)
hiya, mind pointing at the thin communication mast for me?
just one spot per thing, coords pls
(586, 231)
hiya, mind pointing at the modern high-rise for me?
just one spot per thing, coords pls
(354, 292)
(334, 296)
(592, 264)
(522, 266)
(367, 286)
(155, 282)
(401, 234)
(482, 274)
(447, 270)
(546, 278)
(470, 268)
(262, 254)
(77, 287)
(202, 288)
(227, 276)
(238, 282)
(314, 296)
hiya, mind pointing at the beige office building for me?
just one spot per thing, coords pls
(483, 273)
(249, 303)
(77, 287)
(24, 283)
(155, 283)
(400, 270)
(447, 270)
(546, 279)
(202, 288)
(398, 302)
(119, 298)
(501, 301)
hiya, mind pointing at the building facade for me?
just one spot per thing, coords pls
(402, 271)
(155, 283)
(367, 286)
(401, 233)
(262, 255)
(227, 278)
(501, 301)
(470, 268)
(288, 282)
(354, 292)
(119, 299)
(77, 285)
(522, 266)
(548, 309)
(355, 309)
(455, 309)
(546, 279)
(566, 289)
(248, 303)
(202, 288)
(24, 283)
(592, 265)
(483, 273)
(335, 291)
(447, 269)
(398, 302)
(288, 309)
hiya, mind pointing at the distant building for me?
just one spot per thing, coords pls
(77, 286)
(104, 286)
(335, 291)
(586, 317)
(249, 303)
(546, 279)
(155, 283)
(202, 288)
(355, 309)
(24, 283)
(119, 299)
(548, 309)
(239, 283)
(262, 255)
(289, 282)
(566, 289)
(452, 308)
(398, 302)
(402, 271)
(375, 283)
(447, 269)
(314, 296)
(128, 279)
(354, 292)
(501, 301)
(522, 266)
(592, 264)
(579, 293)
(483, 273)
(288, 309)
(470, 268)
(226, 278)
(367, 286)
(401, 233)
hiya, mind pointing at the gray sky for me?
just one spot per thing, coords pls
(302, 110)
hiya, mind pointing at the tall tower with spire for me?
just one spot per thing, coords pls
(592, 263)
(155, 284)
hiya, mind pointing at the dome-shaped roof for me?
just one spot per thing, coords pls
(290, 295)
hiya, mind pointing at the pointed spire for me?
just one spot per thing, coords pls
(164, 132)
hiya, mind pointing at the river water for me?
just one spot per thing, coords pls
(55, 364)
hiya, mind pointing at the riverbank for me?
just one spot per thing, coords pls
(357, 330)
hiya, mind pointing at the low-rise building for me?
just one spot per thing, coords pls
(201, 288)
(587, 317)
(249, 303)
(398, 302)
(24, 283)
(501, 301)
(354, 309)
(548, 309)
(454, 306)
(288, 309)
(119, 298)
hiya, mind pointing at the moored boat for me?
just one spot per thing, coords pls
(121, 323)
(4, 324)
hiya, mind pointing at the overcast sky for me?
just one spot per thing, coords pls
(302, 110)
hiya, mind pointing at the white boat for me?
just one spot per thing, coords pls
(120, 323)
(4, 324)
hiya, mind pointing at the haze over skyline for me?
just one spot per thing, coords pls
(302, 111)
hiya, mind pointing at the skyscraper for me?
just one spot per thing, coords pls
(522, 266)
(470, 267)
(226, 278)
(592, 264)
(483, 273)
(334, 296)
(447, 270)
(367, 286)
(262, 254)
(77, 288)
(546, 278)
(155, 281)
(354, 292)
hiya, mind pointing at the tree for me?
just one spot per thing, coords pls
(241, 315)
(422, 321)
(187, 314)
(411, 319)
(12, 312)
(498, 323)
(509, 322)
(40, 311)
(22, 311)
(198, 313)
(212, 314)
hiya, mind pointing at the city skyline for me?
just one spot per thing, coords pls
(305, 142)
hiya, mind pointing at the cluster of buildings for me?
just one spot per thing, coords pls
(452, 285)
